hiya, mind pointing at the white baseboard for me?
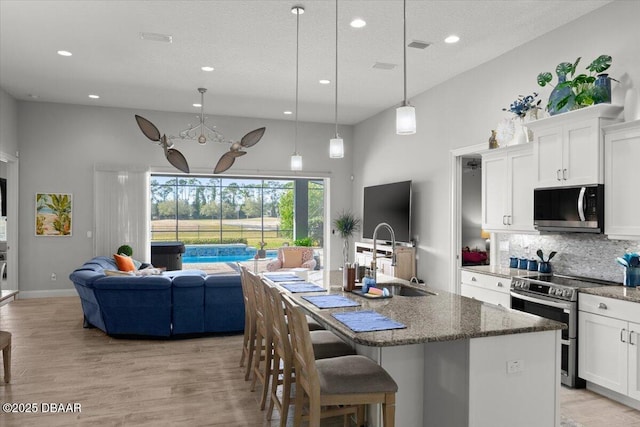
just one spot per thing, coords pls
(48, 294)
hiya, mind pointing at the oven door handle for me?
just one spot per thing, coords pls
(565, 306)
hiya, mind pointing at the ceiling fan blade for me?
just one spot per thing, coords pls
(225, 162)
(252, 138)
(148, 128)
(177, 159)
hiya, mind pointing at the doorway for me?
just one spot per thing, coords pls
(459, 159)
(9, 223)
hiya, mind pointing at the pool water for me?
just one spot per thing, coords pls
(221, 258)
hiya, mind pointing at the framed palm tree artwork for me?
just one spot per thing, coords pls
(53, 214)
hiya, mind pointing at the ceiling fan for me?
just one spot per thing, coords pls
(174, 156)
(200, 133)
(472, 165)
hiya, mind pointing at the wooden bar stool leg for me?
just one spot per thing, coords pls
(6, 355)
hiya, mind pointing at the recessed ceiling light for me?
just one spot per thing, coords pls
(324, 81)
(288, 113)
(358, 23)
(64, 53)
(452, 39)
(94, 96)
(197, 105)
(207, 68)
(157, 37)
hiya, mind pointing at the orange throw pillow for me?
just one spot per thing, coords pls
(124, 262)
(292, 258)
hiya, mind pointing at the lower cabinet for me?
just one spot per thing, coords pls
(608, 344)
(485, 287)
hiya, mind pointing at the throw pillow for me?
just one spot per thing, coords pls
(124, 262)
(117, 273)
(292, 258)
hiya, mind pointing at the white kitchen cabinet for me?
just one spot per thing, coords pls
(621, 154)
(608, 341)
(486, 287)
(568, 147)
(507, 189)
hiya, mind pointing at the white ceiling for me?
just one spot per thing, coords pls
(251, 44)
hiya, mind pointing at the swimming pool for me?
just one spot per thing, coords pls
(222, 253)
(223, 258)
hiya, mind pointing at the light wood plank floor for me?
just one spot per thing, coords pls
(192, 382)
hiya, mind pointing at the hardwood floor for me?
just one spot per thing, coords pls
(192, 382)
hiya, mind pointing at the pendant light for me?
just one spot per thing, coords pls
(336, 144)
(405, 114)
(296, 159)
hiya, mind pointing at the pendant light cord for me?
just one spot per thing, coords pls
(295, 141)
(336, 79)
(404, 47)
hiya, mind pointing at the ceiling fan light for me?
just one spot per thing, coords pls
(336, 148)
(405, 120)
(202, 139)
(296, 162)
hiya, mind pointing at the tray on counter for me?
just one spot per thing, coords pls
(370, 296)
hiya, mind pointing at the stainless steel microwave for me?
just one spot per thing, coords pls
(569, 209)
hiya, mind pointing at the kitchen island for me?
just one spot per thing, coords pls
(458, 362)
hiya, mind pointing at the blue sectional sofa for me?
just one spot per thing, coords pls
(174, 303)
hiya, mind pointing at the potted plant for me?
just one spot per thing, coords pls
(346, 223)
(521, 107)
(580, 90)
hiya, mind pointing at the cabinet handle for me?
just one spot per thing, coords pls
(602, 306)
(558, 175)
(564, 174)
(621, 335)
(504, 220)
(631, 333)
(509, 220)
(500, 285)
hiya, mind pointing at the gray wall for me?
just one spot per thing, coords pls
(8, 123)
(462, 111)
(59, 145)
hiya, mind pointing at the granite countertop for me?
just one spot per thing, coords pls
(441, 317)
(617, 292)
(497, 270)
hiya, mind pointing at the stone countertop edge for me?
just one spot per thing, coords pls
(434, 318)
(497, 270)
(620, 292)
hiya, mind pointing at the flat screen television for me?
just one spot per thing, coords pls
(390, 203)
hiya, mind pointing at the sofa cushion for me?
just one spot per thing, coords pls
(124, 262)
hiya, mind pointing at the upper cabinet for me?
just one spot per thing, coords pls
(507, 189)
(568, 147)
(621, 201)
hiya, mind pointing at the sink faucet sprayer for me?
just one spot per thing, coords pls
(374, 265)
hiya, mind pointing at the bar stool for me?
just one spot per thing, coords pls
(249, 340)
(345, 383)
(5, 346)
(325, 344)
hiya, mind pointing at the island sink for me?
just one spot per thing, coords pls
(398, 289)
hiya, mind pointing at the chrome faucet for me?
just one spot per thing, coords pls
(374, 265)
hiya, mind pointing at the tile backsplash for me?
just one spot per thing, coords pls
(584, 255)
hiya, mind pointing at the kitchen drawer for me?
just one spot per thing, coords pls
(615, 308)
(483, 294)
(485, 281)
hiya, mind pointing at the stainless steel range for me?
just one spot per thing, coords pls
(555, 297)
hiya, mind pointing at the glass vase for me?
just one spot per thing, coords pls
(602, 89)
(558, 94)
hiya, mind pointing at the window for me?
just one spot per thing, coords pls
(211, 210)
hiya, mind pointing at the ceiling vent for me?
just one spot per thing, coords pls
(157, 37)
(417, 44)
(384, 66)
